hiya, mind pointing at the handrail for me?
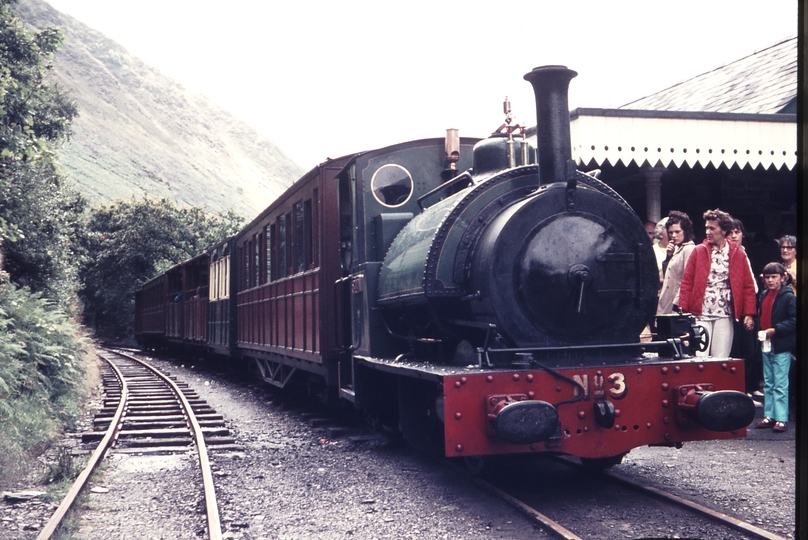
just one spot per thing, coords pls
(449, 183)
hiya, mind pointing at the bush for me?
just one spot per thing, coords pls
(128, 243)
(46, 372)
(43, 357)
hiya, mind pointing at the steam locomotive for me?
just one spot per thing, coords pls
(481, 296)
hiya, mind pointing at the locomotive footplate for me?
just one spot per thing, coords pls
(599, 411)
(409, 367)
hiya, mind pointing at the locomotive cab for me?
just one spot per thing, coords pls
(379, 193)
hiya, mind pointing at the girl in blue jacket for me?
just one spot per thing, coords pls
(777, 314)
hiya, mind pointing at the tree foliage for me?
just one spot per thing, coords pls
(129, 242)
(34, 111)
(40, 216)
(43, 373)
(47, 250)
(43, 360)
(50, 242)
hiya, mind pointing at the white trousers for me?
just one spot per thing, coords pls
(720, 332)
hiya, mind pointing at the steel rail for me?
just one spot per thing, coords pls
(544, 521)
(720, 517)
(81, 481)
(211, 507)
(565, 534)
(730, 521)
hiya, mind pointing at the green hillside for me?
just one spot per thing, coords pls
(141, 133)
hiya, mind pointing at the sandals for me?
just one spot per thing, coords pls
(767, 422)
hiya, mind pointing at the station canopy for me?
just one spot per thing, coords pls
(743, 113)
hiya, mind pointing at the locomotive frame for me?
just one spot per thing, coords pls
(424, 282)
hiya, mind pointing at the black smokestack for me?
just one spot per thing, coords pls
(551, 85)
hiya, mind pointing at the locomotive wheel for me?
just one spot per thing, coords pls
(474, 464)
(378, 410)
(418, 419)
(601, 464)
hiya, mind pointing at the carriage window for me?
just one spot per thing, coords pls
(217, 280)
(300, 239)
(251, 263)
(262, 256)
(248, 262)
(307, 233)
(257, 259)
(242, 263)
(315, 239)
(282, 242)
(213, 280)
(391, 185)
(269, 234)
(225, 277)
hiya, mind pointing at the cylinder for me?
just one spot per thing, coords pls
(551, 85)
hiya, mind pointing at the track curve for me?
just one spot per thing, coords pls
(131, 372)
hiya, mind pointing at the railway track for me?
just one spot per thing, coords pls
(146, 411)
(584, 501)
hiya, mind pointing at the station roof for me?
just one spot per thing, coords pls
(762, 83)
(743, 113)
(675, 138)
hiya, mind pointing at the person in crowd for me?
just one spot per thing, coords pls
(743, 342)
(777, 312)
(655, 234)
(661, 245)
(737, 236)
(650, 226)
(738, 233)
(717, 285)
(650, 230)
(788, 255)
(680, 245)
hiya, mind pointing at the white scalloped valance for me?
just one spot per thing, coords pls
(672, 137)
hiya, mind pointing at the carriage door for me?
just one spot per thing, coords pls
(342, 287)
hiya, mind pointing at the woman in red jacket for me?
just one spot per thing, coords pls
(717, 285)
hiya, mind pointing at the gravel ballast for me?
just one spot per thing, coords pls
(297, 476)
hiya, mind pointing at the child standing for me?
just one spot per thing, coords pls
(777, 313)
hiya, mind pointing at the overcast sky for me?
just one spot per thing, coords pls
(327, 78)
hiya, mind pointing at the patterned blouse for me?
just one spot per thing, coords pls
(718, 296)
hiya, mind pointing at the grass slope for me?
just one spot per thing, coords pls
(141, 133)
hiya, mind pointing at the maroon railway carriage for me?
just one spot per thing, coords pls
(285, 264)
(150, 312)
(187, 302)
(172, 309)
(221, 309)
